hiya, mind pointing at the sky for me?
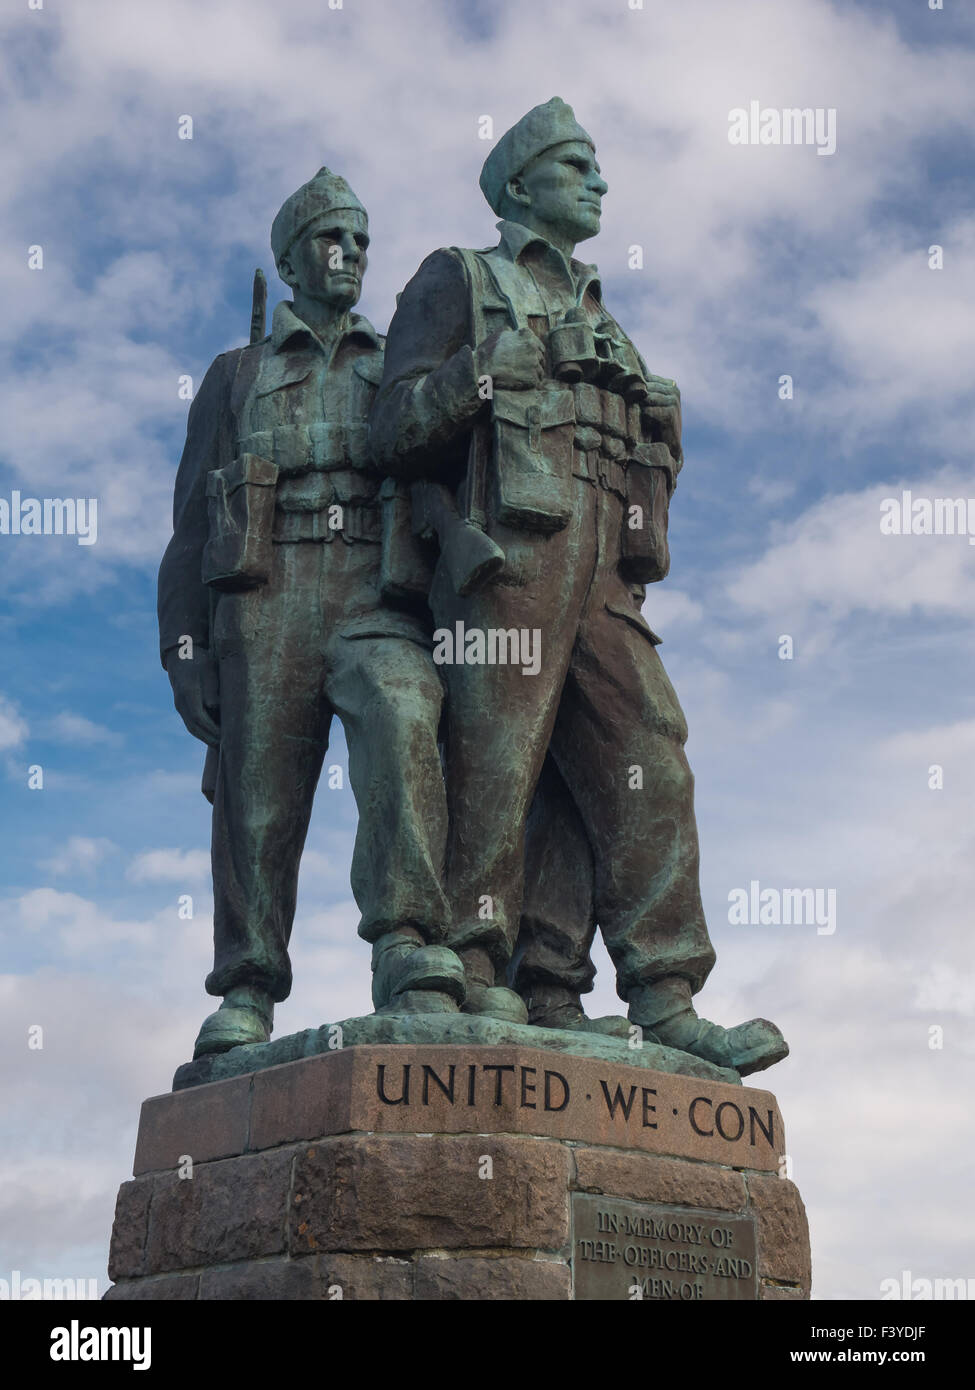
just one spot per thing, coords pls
(760, 262)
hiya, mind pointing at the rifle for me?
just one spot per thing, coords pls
(258, 307)
(257, 335)
(467, 553)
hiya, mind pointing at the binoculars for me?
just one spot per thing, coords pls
(580, 352)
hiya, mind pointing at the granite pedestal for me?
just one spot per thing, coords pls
(460, 1171)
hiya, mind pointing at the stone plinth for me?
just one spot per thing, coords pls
(460, 1172)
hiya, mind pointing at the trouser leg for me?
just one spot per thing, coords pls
(498, 723)
(558, 913)
(274, 734)
(388, 694)
(618, 742)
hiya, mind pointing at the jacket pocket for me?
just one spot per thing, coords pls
(532, 463)
(240, 509)
(644, 549)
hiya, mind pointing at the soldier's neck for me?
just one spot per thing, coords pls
(561, 242)
(327, 321)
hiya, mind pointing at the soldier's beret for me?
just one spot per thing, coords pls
(326, 192)
(552, 123)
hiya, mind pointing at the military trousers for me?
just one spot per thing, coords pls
(603, 706)
(312, 643)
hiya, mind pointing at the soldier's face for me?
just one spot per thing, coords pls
(328, 260)
(564, 190)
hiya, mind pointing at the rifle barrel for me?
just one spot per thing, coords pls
(258, 307)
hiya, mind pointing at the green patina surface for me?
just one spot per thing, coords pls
(444, 539)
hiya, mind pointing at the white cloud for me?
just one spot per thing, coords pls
(79, 855)
(71, 925)
(664, 606)
(68, 727)
(946, 989)
(169, 866)
(833, 558)
(13, 728)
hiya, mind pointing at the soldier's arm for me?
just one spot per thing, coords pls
(664, 415)
(428, 399)
(183, 598)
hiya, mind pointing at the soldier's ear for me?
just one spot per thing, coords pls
(516, 191)
(286, 271)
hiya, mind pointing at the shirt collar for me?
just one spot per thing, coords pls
(289, 331)
(517, 238)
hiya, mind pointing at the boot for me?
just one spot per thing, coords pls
(664, 1010)
(409, 977)
(245, 1016)
(486, 998)
(555, 1006)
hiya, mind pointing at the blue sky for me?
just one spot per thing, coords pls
(759, 261)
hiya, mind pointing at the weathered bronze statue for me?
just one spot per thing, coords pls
(482, 523)
(271, 622)
(508, 383)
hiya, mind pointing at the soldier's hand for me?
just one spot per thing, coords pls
(663, 392)
(514, 359)
(663, 407)
(195, 692)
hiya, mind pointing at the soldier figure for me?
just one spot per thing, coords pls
(507, 384)
(271, 622)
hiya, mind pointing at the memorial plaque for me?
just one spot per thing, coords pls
(639, 1250)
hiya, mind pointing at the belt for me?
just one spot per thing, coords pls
(320, 447)
(360, 522)
(596, 467)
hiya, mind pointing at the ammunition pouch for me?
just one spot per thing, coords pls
(321, 447)
(644, 551)
(240, 508)
(532, 459)
(405, 569)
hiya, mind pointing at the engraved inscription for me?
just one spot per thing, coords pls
(638, 1250)
(633, 1107)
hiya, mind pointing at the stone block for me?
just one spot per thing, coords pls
(279, 1280)
(126, 1256)
(302, 1100)
(232, 1209)
(530, 1091)
(646, 1178)
(408, 1192)
(480, 1279)
(365, 1277)
(783, 1231)
(205, 1124)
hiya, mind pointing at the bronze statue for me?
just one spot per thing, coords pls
(478, 517)
(509, 384)
(271, 622)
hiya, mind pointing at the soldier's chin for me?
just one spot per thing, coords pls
(587, 224)
(344, 293)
